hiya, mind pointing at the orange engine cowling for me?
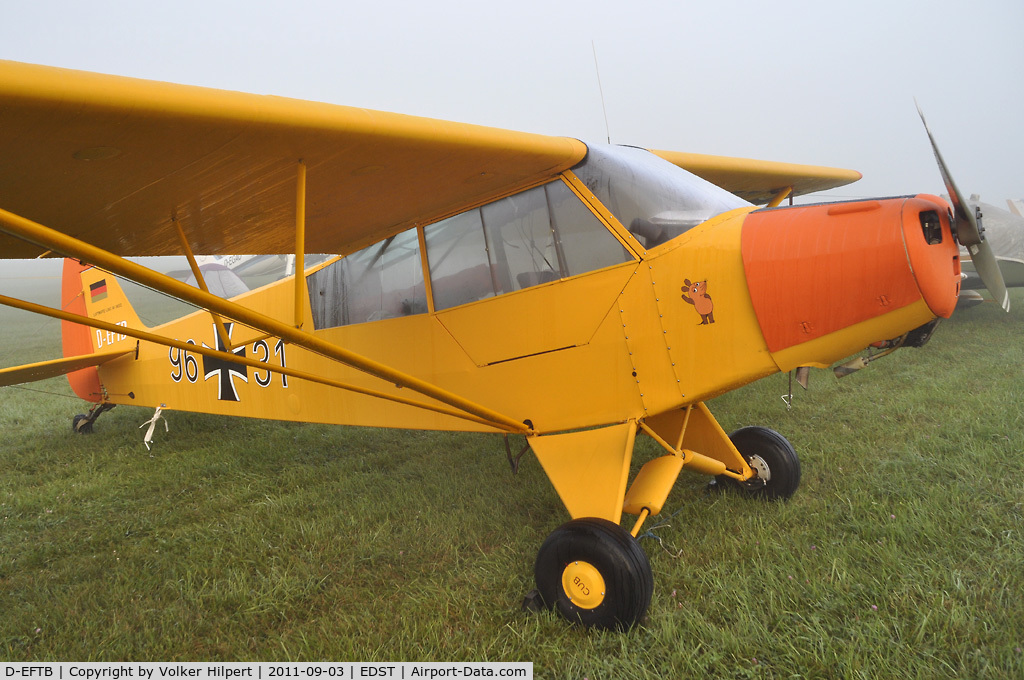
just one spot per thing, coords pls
(813, 270)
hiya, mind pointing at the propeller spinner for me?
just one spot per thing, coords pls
(969, 230)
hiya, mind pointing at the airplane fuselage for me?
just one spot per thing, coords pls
(737, 297)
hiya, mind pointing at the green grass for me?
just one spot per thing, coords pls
(901, 555)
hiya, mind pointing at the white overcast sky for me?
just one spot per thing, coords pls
(828, 83)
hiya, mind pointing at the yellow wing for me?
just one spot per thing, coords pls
(760, 181)
(113, 160)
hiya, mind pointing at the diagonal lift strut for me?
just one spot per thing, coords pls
(56, 241)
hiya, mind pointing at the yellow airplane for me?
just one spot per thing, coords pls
(485, 280)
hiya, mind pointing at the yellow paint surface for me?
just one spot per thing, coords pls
(112, 160)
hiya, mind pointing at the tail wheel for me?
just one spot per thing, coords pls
(594, 573)
(81, 424)
(772, 457)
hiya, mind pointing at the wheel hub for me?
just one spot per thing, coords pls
(583, 584)
(760, 466)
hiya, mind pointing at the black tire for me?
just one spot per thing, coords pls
(85, 428)
(591, 545)
(776, 455)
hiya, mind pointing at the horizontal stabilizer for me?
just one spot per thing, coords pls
(42, 370)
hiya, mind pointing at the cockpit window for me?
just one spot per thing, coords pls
(382, 281)
(540, 235)
(651, 197)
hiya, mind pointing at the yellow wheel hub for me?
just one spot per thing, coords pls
(583, 584)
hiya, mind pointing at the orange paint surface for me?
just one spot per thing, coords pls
(813, 270)
(75, 338)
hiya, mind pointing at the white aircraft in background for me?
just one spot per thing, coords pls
(1004, 230)
(231, 275)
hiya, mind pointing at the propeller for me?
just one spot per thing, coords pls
(969, 230)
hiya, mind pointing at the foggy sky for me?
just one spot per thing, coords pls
(805, 82)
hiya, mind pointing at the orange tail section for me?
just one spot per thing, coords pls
(94, 293)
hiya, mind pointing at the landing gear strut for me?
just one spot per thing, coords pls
(82, 423)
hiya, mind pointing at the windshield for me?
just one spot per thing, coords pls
(652, 198)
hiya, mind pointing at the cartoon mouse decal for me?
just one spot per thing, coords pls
(696, 294)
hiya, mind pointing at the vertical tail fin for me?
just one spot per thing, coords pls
(94, 293)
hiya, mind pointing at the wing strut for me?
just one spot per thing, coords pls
(33, 232)
(300, 241)
(782, 195)
(225, 339)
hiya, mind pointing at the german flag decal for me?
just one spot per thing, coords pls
(98, 290)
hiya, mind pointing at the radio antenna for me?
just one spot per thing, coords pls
(600, 89)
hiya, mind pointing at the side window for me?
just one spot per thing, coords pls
(461, 270)
(519, 229)
(540, 235)
(382, 281)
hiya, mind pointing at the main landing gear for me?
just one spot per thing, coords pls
(593, 571)
(772, 457)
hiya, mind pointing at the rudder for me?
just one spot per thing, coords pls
(92, 292)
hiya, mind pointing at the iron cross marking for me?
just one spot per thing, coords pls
(225, 370)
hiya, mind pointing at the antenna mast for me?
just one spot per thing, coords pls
(600, 89)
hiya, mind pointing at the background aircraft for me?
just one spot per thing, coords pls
(1004, 230)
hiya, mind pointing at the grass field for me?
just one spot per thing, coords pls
(900, 556)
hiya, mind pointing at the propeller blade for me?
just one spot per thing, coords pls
(969, 231)
(988, 270)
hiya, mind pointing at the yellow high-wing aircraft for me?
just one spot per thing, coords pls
(485, 280)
